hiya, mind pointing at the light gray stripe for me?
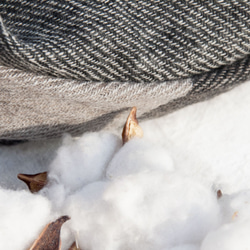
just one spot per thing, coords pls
(29, 100)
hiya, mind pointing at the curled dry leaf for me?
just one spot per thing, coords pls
(131, 128)
(49, 239)
(35, 182)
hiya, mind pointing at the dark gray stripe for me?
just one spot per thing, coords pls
(137, 40)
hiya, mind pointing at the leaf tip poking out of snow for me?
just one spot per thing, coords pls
(131, 128)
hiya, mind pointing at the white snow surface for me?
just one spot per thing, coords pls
(154, 193)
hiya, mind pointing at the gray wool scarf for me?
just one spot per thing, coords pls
(75, 66)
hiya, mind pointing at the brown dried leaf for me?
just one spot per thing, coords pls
(49, 239)
(131, 128)
(74, 247)
(35, 182)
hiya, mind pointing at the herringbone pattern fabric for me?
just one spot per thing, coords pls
(102, 57)
(138, 41)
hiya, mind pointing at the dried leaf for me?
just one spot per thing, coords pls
(219, 194)
(49, 239)
(35, 182)
(131, 128)
(74, 247)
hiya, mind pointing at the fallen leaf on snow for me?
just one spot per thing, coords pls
(49, 239)
(131, 128)
(35, 182)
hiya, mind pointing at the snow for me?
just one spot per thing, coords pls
(22, 216)
(156, 192)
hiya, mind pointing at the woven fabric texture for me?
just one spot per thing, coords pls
(33, 105)
(75, 66)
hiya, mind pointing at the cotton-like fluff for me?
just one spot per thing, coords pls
(232, 236)
(235, 207)
(210, 139)
(147, 210)
(84, 160)
(142, 204)
(23, 216)
(185, 247)
(139, 155)
(79, 162)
